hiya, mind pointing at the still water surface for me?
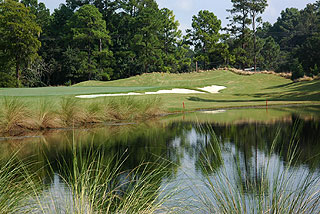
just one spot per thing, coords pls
(187, 143)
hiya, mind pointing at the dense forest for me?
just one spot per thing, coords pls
(111, 39)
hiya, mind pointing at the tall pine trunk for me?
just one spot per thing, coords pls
(17, 71)
(254, 41)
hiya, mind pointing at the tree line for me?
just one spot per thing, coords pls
(112, 39)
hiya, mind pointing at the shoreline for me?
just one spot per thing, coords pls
(23, 132)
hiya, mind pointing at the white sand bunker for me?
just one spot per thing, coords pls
(214, 111)
(214, 89)
(210, 89)
(107, 95)
(177, 91)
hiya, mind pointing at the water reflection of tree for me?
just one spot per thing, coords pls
(254, 140)
(134, 144)
(254, 136)
(208, 158)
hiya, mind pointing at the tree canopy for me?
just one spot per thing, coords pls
(111, 39)
(19, 34)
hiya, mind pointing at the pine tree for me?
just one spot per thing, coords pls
(90, 34)
(19, 34)
(205, 36)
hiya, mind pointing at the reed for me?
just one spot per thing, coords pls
(93, 113)
(13, 114)
(45, 116)
(95, 183)
(128, 108)
(150, 107)
(70, 112)
(16, 185)
(17, 117)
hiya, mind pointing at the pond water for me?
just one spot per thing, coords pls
(194, 148)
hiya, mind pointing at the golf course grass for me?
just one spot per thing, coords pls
(241, 91)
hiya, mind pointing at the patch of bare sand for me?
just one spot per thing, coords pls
(210, 89)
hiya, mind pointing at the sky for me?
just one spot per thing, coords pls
(185, 9)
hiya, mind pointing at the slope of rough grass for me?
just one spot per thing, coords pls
(241, 90)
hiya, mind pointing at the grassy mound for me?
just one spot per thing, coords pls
(241, 90)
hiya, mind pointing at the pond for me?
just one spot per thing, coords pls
(245, 160)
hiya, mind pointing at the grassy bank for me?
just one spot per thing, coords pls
(59, 107)
(18, 116)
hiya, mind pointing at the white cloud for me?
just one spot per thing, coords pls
(184, 5)
(271, 13)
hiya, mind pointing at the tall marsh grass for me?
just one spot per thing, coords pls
(85, 180)
(16, 186)
(128, 108)
(95, 183)
(13, 114)
(45, 115)
(17, 115)
(70, 112)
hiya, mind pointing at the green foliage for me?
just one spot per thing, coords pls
(19, 34)
(90, 34)
(308, 54)
(7, 80)
(315, 70)
(40, 11)
(111, 39)
(296, 33)
(297, 70)
(270, 53)
(205, 37)
(244, 13)
(283, 29)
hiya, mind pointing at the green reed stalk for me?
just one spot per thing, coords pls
(95, 183)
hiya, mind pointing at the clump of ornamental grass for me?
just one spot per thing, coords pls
(123, 108)
(45, 116)
(13, 114)
(150, 107)
(16, 186)
(95, 183)
(93, 113)
(271, 187)
(128, 108)
(70, 112)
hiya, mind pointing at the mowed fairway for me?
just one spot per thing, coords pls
(241, 90)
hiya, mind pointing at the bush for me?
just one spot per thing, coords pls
(7, 81)
(297, 70)
(315, 70)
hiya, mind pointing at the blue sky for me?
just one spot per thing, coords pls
(185, 9)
